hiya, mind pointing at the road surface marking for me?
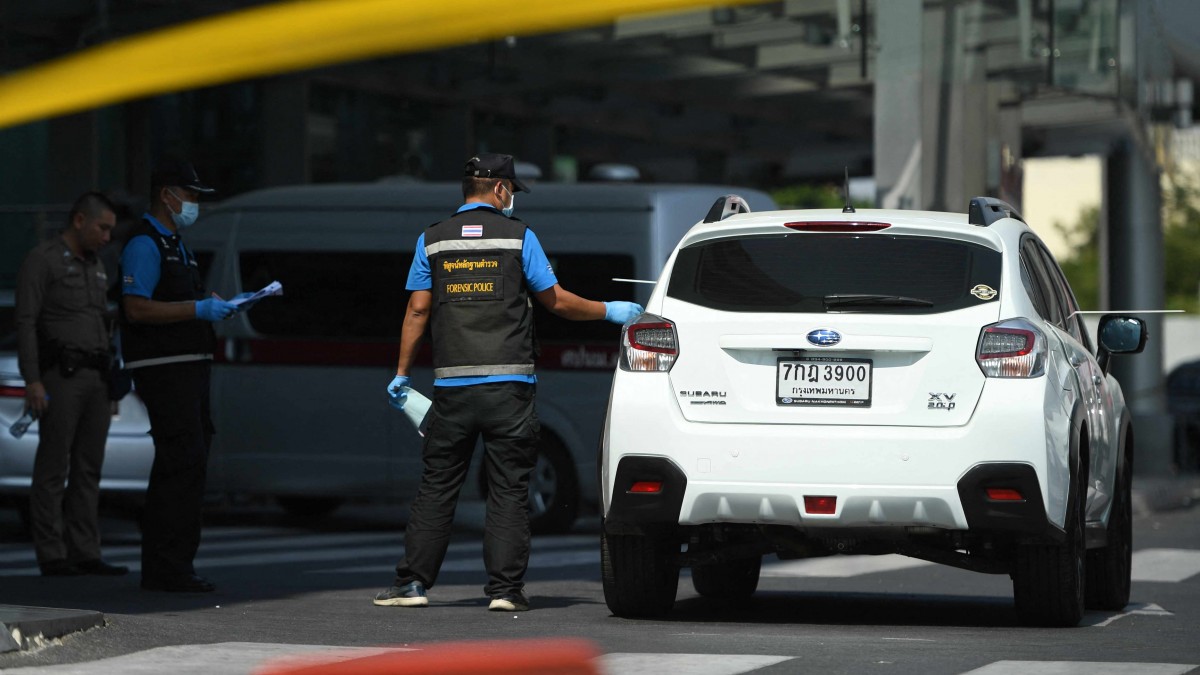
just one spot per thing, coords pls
(1079, 668)
(1149, 609)
(841, 566)
(687, 664)
(1165, 564)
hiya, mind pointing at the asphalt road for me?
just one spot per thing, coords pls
(287, 588)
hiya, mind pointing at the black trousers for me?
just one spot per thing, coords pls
(65, 491)
(177, 399)
(503, 413)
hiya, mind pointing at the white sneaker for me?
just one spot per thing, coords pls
(509, 602)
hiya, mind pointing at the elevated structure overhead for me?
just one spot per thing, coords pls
(939, 100)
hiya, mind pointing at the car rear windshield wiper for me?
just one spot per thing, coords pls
(853, 299)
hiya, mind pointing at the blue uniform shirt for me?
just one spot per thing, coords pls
(141, 263)
(539, 276)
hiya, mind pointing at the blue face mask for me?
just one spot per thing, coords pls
(188, 212)
(512, 200)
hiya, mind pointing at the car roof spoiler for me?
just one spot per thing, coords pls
(726, 206)
(983, 211)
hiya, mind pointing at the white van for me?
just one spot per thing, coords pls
(298, 386)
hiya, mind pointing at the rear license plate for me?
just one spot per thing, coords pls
(829, 381)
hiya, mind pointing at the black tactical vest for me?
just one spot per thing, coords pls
(482, 319)
(144, 344)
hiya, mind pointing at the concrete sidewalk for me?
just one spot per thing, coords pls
(26, 627)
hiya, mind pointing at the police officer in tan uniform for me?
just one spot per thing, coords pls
(63, 345)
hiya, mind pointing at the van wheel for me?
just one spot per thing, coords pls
(309, 507)
(640, 577)
(1048, 579)
(729, 580)
(1109, 568)
(553, 489)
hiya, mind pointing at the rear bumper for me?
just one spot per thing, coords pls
(881, 476)
(982, 513)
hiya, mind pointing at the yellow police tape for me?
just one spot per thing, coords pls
(290, 36)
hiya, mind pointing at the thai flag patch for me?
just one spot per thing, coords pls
(472, 230)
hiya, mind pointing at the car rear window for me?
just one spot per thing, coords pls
(797, 272)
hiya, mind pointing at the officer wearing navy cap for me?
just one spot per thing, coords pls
(167, 341)
(471, 280)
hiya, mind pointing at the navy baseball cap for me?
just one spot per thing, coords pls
(492, 165)
(172, 171)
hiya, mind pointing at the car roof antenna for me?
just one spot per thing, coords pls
(848, 208)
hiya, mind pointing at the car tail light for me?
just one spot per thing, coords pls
(649, 344)
(820, 505)
(1005, 495)
(646, 487)
(9, 391)
(837, 226)
(1012, 348)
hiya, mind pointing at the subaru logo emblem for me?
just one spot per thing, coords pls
(824, 337)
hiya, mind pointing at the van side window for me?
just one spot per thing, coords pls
(589, 275)
(328, 294)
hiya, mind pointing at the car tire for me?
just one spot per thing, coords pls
(730, 580)
(639, 576)
(1109, 568)
(1048, 579)
(309, 507)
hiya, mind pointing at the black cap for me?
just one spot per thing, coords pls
(492, 165)
(173, 171)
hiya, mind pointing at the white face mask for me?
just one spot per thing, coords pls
(188, 213)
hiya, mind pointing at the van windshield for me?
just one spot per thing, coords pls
(874, 273)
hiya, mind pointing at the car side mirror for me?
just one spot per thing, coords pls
(1120, 335)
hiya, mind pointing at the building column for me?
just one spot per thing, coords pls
(898, 105)
(1132, 250)
(935, 115)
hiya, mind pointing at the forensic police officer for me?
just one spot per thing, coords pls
(63, 347)
(167, 340)
(471, 281)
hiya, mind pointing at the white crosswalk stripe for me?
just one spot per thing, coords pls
(1079, 668)
(243, 658)
(687, 664)
(1165, 564)
(841, 566)
(223, 658)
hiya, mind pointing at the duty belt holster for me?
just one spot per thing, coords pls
(70, 360)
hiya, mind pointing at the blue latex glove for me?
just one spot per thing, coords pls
(246, 305)
(398, 392)
(214, 309)
(621, 312)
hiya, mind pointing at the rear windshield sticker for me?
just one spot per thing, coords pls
(983, 292)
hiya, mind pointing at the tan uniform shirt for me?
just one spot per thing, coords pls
(60, 297)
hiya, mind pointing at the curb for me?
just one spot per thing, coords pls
(25, 627)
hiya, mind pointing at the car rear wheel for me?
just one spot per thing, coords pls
(1108, 568)
(1048, 579)
(639, 574)
(729, 580)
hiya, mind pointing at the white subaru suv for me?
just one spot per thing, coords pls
(811, 383)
